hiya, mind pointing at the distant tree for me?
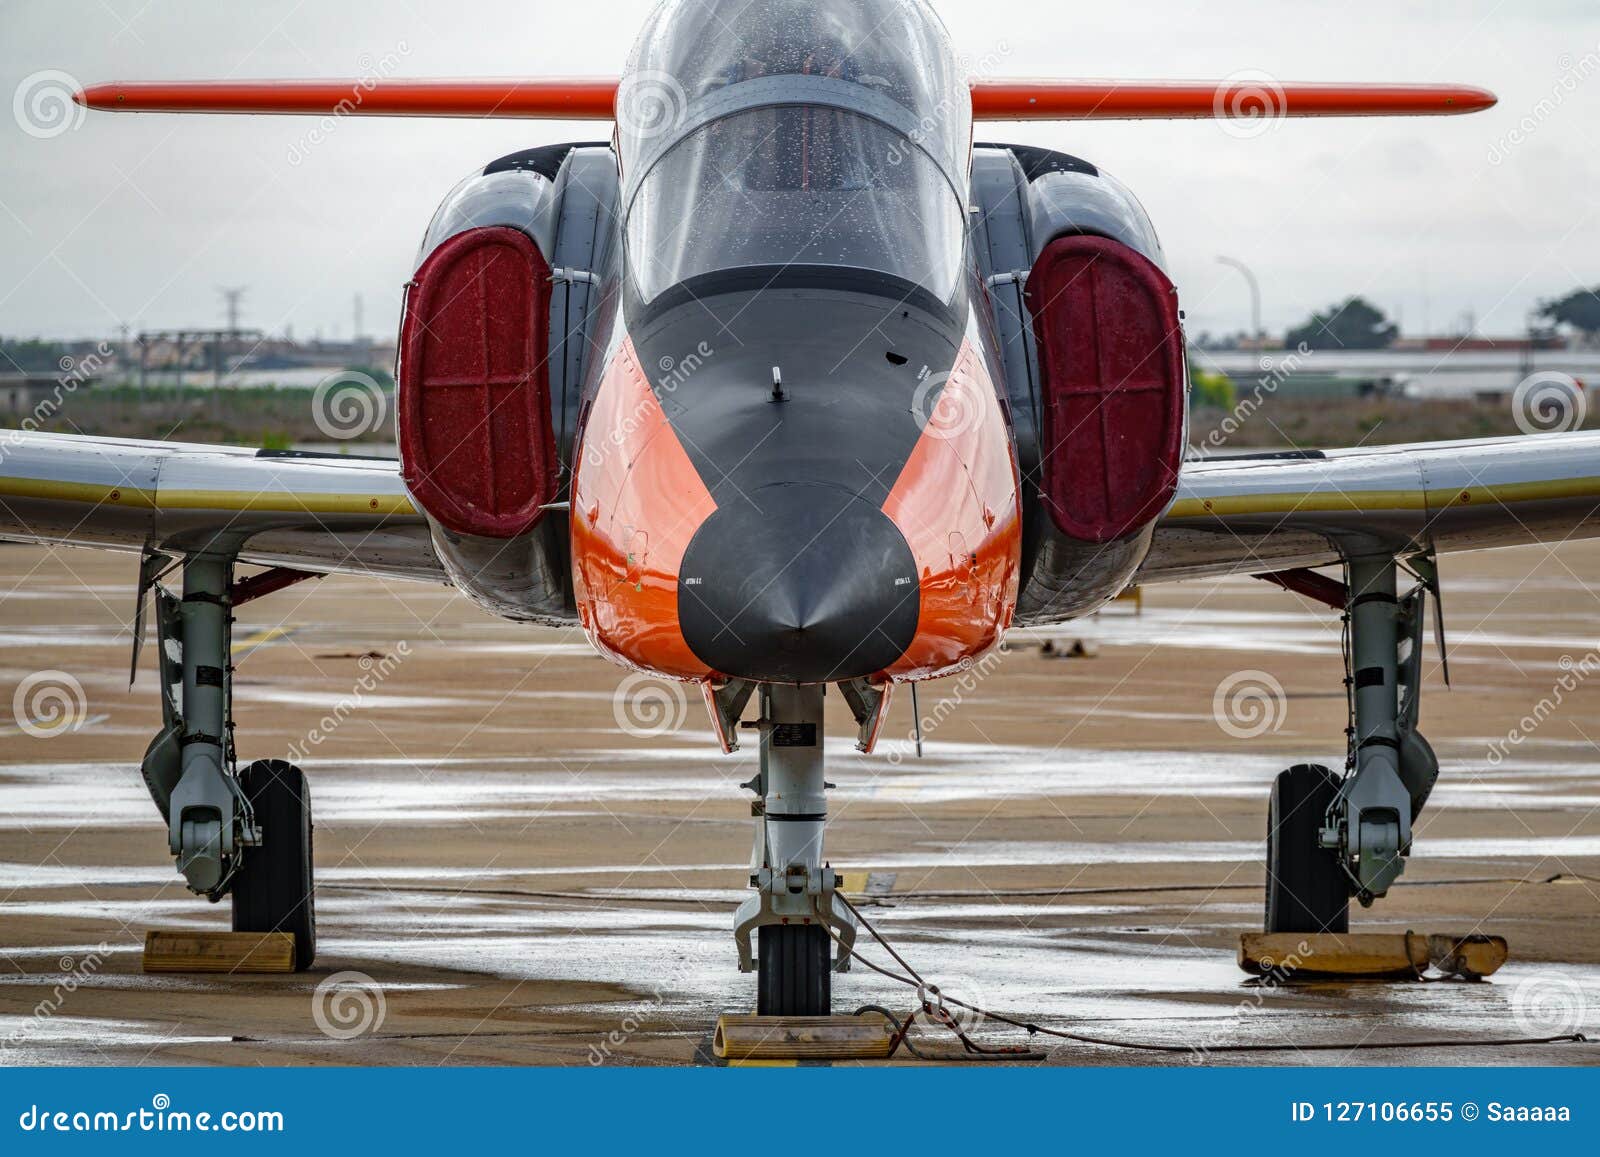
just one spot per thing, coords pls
(1580, 309)
(1209, 389)
(1355, 325)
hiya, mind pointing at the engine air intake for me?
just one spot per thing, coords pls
(477, 446)
(1111, 360)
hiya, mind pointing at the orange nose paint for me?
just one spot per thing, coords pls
(637, 500)
(957, 504)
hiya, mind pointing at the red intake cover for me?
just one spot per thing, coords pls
(477, 446)
(1111, 360)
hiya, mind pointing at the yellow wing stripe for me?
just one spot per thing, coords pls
(275, 500)
(134, 497)
(1338, 501)
(94, 493)
(1345, 501)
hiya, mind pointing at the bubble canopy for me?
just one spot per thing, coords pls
(794, 134)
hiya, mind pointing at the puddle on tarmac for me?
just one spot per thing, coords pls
(1124, 967)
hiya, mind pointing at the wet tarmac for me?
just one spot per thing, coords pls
(517, 866)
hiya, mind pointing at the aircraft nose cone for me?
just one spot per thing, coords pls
(799, 583)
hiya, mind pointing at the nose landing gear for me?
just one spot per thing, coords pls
(796, 898)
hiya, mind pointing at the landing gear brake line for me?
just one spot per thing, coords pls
(934, 1002)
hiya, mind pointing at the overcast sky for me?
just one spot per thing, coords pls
(138, 219)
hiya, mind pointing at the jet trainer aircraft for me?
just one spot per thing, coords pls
(791, 384)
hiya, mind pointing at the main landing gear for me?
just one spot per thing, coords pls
(241, 833)
(796, 900)
(1331, 837)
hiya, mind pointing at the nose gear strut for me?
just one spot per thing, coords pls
(797, 892)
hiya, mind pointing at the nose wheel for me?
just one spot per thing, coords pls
(793, 970)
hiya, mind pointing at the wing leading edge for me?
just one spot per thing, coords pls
(329, 514)
(1251, 515)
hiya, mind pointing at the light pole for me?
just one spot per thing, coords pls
(1255, 293)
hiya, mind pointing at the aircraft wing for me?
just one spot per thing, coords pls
(319, 513)
(1263, 513)
(1240, 515)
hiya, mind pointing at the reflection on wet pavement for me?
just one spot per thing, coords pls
(1080, 846)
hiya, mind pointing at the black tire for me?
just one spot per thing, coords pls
(793, 970)
(1307, 890)
(274, 891)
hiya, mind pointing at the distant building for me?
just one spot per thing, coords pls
(22, 395)
(1510, 345)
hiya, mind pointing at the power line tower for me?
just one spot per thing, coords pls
(231, 296)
